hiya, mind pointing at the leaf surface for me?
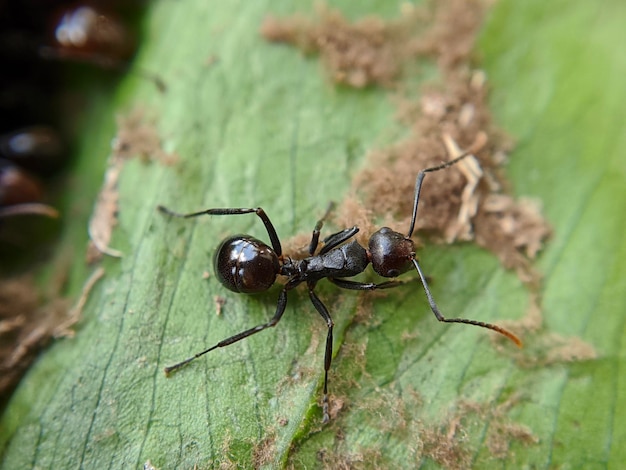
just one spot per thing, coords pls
(256, 124)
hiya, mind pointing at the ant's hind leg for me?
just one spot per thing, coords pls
(280, 309)
(271, 231)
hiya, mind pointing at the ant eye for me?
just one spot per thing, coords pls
(391, 252)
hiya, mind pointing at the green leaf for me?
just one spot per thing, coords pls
(257, 124)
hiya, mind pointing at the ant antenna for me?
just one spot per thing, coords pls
(441, 318)
(418, 186)
(479, 143)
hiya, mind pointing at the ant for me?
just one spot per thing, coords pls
(244, 264)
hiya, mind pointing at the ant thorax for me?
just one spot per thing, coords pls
(346, 260)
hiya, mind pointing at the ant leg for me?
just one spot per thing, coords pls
(315, 237)
(441, 318)
(418, 185)
(336, 239)
(328, 354)
(280, 309)
(353, 285)
(271, 231)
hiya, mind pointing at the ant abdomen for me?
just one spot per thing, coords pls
(391, 252)
(246, 265)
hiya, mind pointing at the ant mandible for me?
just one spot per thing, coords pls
(244, 264)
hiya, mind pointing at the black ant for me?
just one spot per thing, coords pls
(247, 265)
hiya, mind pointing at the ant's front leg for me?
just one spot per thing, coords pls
(315, 237)
(336, 239)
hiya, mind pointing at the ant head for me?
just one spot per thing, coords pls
(245, 264)
(391, 252)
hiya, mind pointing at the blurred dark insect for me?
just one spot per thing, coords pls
(51, 52)
(54, 56)
(39, 149)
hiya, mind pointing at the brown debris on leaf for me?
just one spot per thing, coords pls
(104, 217)
(446, 442)
(470, 202)
(544, 348)
(137, 137)
(28, 322)
(450, 35)
(514, 230)
(369, 51)
(461, 203)
(502, 431)
(21, 332)
(73, 316)
(352, 460)
(373, 51)
(446, 446)
(264, 452)
(219, 302)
